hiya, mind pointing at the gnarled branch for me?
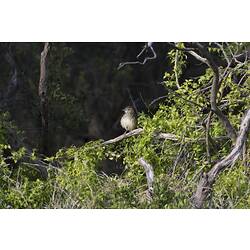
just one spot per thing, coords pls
(205, 184)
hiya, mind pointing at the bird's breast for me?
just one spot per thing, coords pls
(128, 123)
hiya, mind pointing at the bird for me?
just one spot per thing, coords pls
(129, 119)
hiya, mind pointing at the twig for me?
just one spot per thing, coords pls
(175, 69)
(224, 52)
(207, 127)
(148, 45)
(174, 93)
(179, 155)
(132, 100)
(198, 57)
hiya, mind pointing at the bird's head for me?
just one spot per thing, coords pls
(128, 109)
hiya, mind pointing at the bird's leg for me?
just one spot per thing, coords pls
(125, 132)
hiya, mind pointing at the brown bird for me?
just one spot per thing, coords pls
(129, 119)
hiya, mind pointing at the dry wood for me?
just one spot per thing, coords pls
(150, 177)
(159, 135)
(42, 91)
(206, 182)
(138, 131)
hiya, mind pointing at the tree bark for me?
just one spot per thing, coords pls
(42, 91)
(206, 182)
(215, 88)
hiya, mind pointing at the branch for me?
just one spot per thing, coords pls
(150, 176)
(158, 135)
(124, 136)
(175, 69)
(207, 127)
(139, 131)
(205, 184)
(148, 45)
(172, 92)
(224, 53)
(215, 88)
(199, 58)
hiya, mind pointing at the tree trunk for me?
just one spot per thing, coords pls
(44, 100)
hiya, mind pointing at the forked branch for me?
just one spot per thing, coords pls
(215, 88)
(206, 182)
(145, 48)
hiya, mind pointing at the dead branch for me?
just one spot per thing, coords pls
(166, 136)
(124, 136)
(42, 91)
(149, 175)
(158, 135)
(206, 182)
(145, 48)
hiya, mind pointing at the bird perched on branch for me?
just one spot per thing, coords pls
(129, 119)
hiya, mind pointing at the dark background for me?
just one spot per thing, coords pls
(86, 90)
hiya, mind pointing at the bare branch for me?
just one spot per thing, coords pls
(205, 184)
(150, 176)
(148, 45)
(158, 135)
(124, 136)
(166, 136)
(199, 58)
